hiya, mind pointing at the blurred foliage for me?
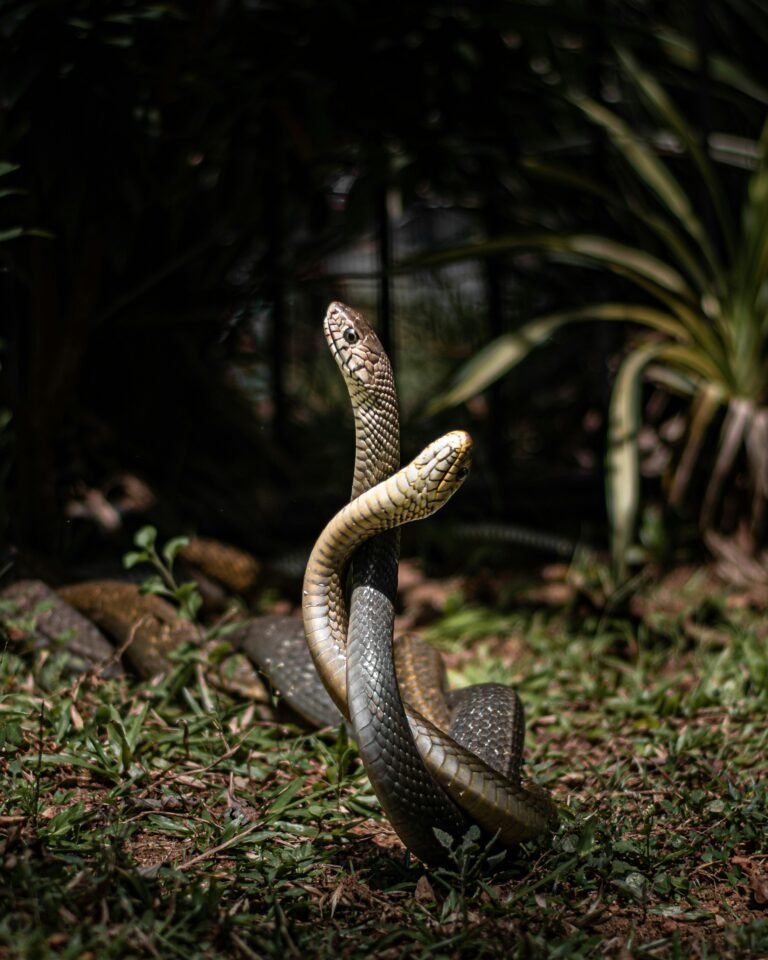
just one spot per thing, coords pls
(700, 264)
(182, 159)
(181, 172)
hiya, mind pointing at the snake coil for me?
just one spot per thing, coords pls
(434, 760)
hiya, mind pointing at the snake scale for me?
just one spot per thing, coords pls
(433, 760)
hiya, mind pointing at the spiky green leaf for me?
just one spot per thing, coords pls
(649, 168)
(622, 466)
(667, 112)
(686, 53)
(504, 353)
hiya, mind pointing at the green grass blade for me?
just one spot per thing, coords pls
(284, 800)
(496, 359)
(653, 275)
(696, 362)
(752, 263)
(630, 260)
(587, 249)
(676, 382)
(699, 272)
(661, 228)
(11, 234)
(660, 280)
(622, 459)
(682, 321)
(695, 328)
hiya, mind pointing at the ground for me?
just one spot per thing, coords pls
(166, 819)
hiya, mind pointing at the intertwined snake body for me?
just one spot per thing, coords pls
(434, 760)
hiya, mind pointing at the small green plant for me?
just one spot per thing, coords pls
(163, 583)
(470, 862)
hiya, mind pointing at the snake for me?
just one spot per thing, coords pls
(435, 760)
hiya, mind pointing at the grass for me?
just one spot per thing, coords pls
(164, 820)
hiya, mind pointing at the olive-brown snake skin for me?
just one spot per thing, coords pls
(435, 760)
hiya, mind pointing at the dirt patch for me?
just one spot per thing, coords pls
(152, 849)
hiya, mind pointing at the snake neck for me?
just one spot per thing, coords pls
(377, 714)
(377, 440)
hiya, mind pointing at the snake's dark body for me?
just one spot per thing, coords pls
(458, 761)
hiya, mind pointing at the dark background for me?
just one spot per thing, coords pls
(190, 185)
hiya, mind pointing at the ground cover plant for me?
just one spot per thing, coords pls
(147, 819)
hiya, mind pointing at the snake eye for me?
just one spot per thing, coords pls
(351, 335)
(462, 472)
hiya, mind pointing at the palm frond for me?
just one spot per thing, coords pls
(667, 112)
(502, 354)
(651, 171)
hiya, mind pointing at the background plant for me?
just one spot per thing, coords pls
(704, 300)
(164, 582)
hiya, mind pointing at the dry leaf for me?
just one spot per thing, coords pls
(424, 891)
